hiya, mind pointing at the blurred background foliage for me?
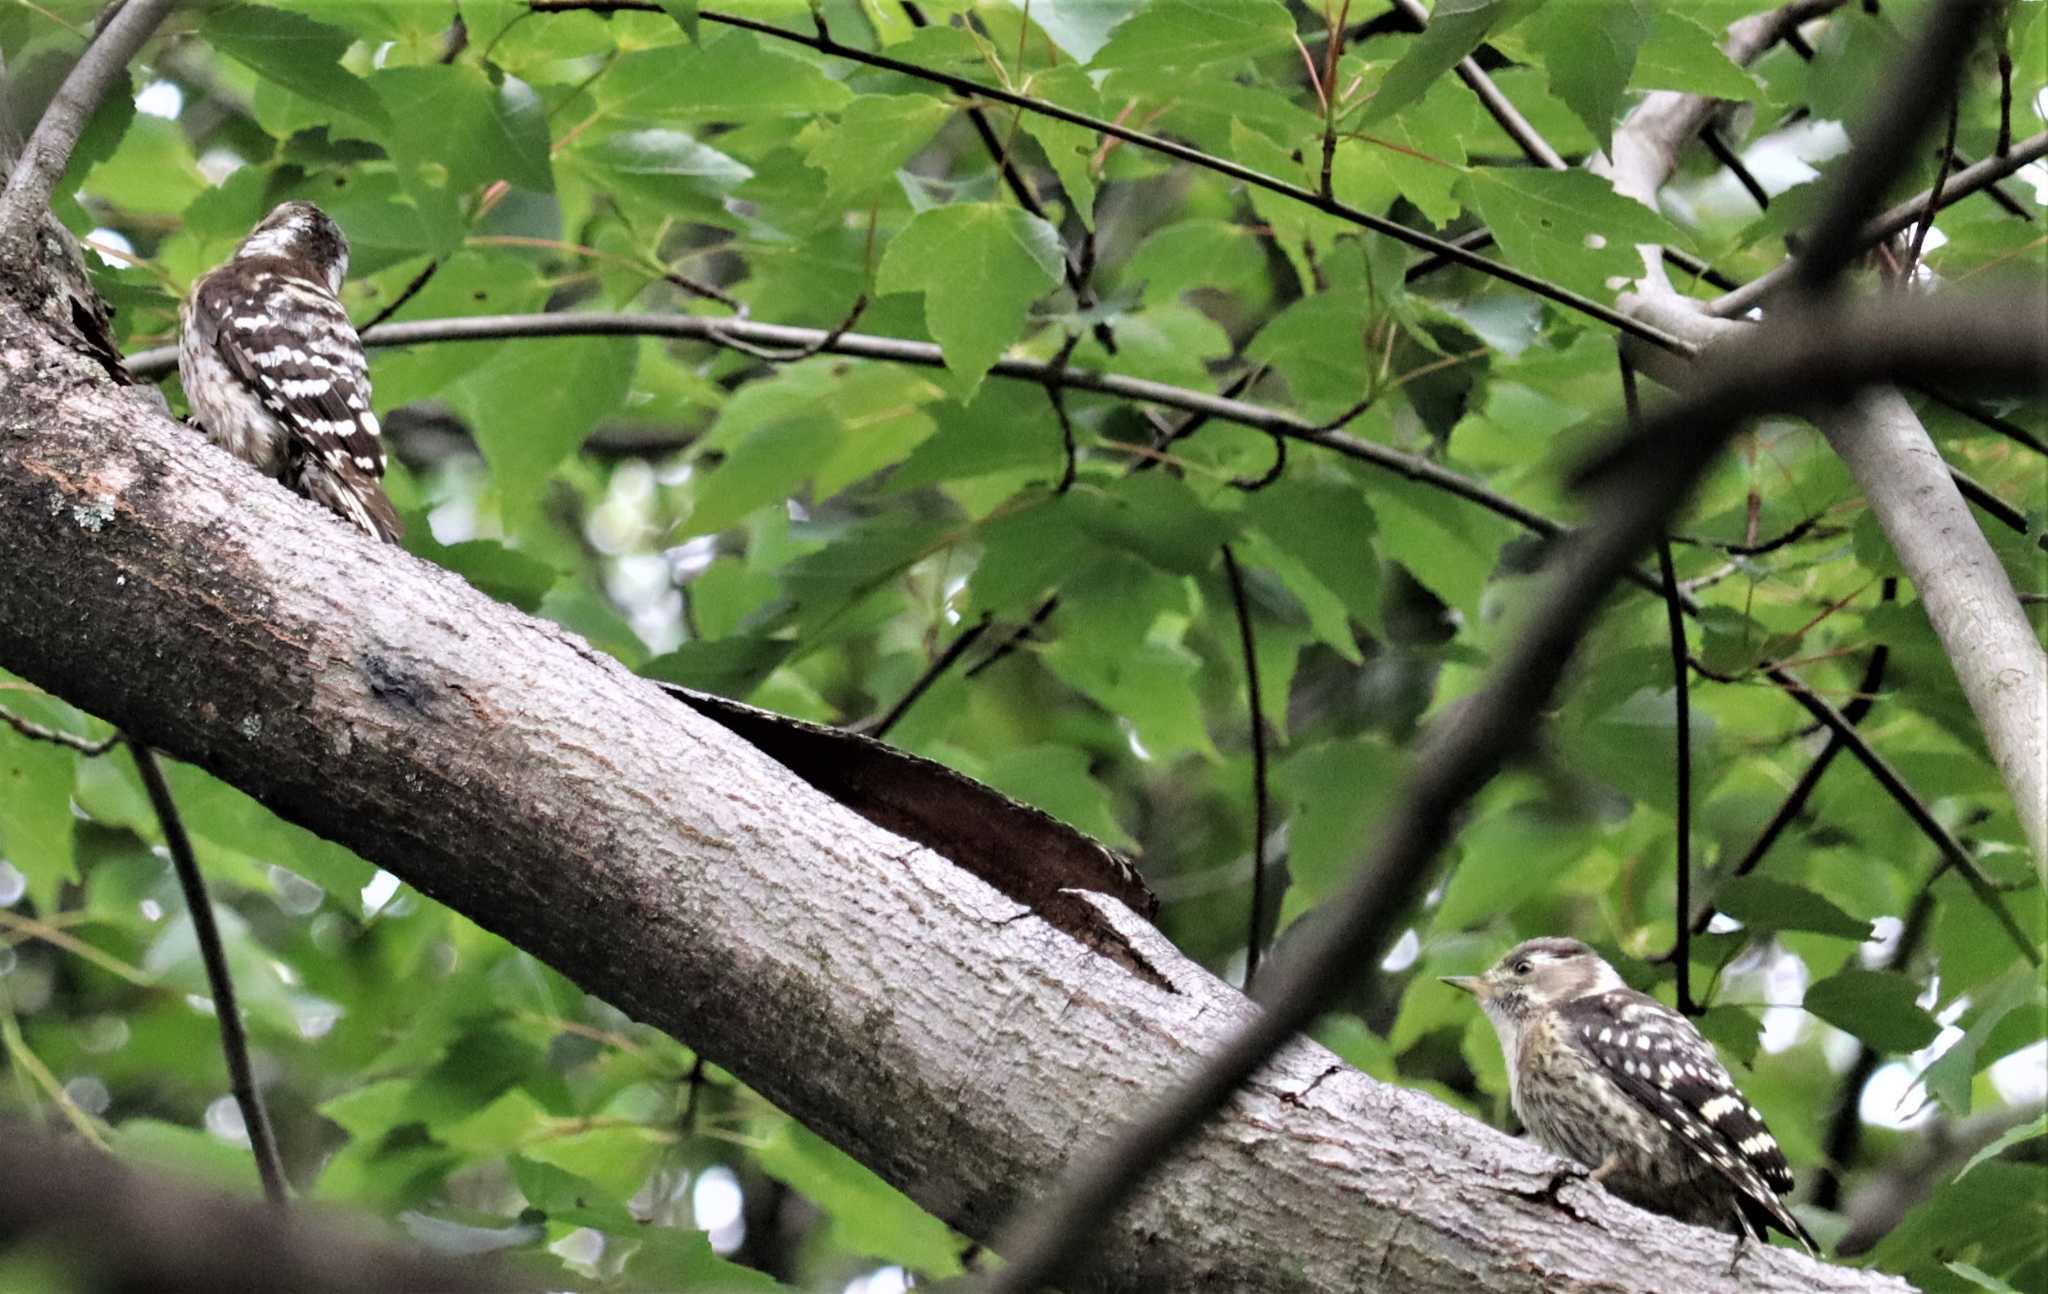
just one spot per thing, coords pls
(812, 534)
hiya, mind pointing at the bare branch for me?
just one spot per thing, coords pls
(57, 736)
(234, 1041)
(153, 363)
(1964, 183)
(966, 638)
(41, 164)
(1256, 716)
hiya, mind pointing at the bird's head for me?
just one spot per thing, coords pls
(1538, 975)
(300, 231)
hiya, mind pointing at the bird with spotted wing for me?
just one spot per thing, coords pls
(1616, 1080)
(274, 370)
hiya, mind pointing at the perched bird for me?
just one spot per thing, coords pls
(1626, 1086)
(275, 372)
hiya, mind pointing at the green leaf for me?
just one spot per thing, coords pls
(1736, 1031)
(1450, 551)
(667, 1258)
(186, 1152)
(1590, 47)
(1338, 791)
(1879, 1007)
(869, 1216)
(1456, 27)
(617, 1158)
(1768, 904)
(980, 266)
(1179, 34)
(152, 172)
(1318, 345)
(1681, 54)
(1069, 148)
(1505, 858)
(2006, 1140)
(766, 467)
(1081, 27)
(1981, 1279)
(666, 169)
(1328, 527)
(1418, 152)
(1211, 254)
(1566, 226)
(503, 1126)
(874, 135)
(731, 667)
(685, 14)
(1949, 1077)
(35, 803)
(453, 117)
(733, 77)
(297, 53)
(1056, 779)
(536, 401)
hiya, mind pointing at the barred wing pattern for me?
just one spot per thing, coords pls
(275, 371)
(1656, 1056)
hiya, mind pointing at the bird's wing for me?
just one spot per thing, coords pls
(1656, 1056)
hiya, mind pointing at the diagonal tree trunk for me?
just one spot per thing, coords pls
(957, 1041)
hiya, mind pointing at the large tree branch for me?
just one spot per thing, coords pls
(957, 1041)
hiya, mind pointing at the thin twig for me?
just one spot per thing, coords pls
(879, 728)
(1948, 153)
(1180, 152)
(805, 351)
(1682, 695)
(37, 732)
(1952, 850)
(1728, 157)
(1983, 417)
(1674, 612)
(1962, 184)
(1016, 638)
(1251, 483)
(43, 158)
(410, 290)
(2004, 37)
(1503, 111)
(234, 1043)
(1054, 392)
(1260, 810)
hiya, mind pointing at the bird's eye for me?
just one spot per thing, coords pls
(1522, 968)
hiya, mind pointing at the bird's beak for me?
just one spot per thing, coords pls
(1472, 984)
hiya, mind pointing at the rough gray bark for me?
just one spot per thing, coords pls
(943, 1034)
